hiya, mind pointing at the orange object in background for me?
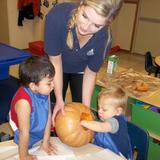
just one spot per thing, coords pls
(115, 49)
(37, 48)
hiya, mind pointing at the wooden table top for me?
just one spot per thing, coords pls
(154, 97)
(9, 150)
(157, 60)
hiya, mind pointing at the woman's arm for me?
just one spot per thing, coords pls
(23, 111)
(58, 84)
(88, 86)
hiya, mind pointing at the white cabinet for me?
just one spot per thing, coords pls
(123, 26)
(147, 37)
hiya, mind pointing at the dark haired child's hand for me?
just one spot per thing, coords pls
(50, 148)
(29, 157)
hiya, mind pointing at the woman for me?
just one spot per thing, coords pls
(77, 38)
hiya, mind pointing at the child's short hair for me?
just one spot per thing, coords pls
(34, 69)
(117, 94)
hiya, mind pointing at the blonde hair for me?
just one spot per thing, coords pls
(105, 8)
(117, 94)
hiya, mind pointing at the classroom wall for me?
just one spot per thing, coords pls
(32, 30)
(145, 37)
(148, 28)
(19, 36)
(4, 33)
(122, 27)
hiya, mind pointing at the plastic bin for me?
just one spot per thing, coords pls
(37, 48)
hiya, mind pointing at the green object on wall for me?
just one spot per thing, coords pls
(94, 104)
(146, 119)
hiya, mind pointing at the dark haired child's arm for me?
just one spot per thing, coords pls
(47, 145)
(23, 111)
(97, 126)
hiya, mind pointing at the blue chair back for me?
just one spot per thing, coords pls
(139, 141)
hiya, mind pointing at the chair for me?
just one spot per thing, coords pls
(149, 66)
(139, 141)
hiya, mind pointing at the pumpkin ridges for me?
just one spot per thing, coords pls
(66, 121)
(87, 134)
(68, 126)
(79, 137)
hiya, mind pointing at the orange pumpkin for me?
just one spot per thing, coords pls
(68, 127)
(142, 87)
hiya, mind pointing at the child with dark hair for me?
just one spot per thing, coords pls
(30, 115)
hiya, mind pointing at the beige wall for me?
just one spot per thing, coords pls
(19, 36)
(147, 37)
(123, 26)
(32, 30)
(4, 32)
(38, 23)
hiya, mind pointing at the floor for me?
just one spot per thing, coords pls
(127, 60)
(130, 60)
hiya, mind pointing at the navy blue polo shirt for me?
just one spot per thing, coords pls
(73, 60)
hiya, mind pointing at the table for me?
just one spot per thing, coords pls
(9, 56)
(80, 152)
(153, 99)
(157, 60)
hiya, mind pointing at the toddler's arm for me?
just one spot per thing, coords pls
(97, 126)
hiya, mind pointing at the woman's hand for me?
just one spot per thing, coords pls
(49, 147)
(59, 106)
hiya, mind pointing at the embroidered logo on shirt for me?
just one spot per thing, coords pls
(90, 52)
